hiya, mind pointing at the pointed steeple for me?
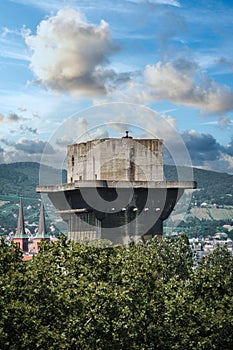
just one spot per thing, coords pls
(21, 238)
(20, 231)
(42, 228)
(41, 233)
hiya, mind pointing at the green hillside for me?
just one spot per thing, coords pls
(22, 178)
(213, 187)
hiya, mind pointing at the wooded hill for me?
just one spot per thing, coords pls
(213, 187)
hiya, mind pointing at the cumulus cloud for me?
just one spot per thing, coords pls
(12, 155)
(29, 129)
(98, 133)
(63, 141)
(25, 150)
(70, 54)
(201, 147)
(182, 82)
(229, 148)
(225, 62)
(83, 132)
(207, 153)
(35, 146)
(6, 141)
(22, 109)
(224, 122)
(121, 124)
(11, 117)
(225, 163)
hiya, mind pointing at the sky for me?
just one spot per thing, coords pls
(72, 70)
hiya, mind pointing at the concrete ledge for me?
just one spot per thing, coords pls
(116, 184)
(71, 211)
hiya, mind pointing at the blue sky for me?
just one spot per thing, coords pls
(72, 68)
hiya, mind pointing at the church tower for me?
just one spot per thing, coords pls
(42, 233)
(21, 238)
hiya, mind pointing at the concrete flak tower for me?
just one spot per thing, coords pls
(116, 190)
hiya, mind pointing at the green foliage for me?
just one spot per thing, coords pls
(93, 296)
(10, 257)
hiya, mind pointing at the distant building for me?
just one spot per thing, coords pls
(116, 190)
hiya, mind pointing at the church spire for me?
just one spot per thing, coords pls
(21, 238)
(20, 231)
(41, 233)
(42, 227)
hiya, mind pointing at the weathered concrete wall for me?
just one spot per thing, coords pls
(111, 159)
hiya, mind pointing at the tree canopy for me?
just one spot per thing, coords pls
(98, 296)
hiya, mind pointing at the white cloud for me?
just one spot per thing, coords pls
(11, 117)
(99, 133)
(223, 164)
(202, 147)
(12, 155)
(181, 82)
(70, 54)
(224, 122)
(227, 163)
(25, 128)
(63, 141)
(35, 146)
(26, 150)
(6, 141)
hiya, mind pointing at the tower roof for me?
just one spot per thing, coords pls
(42, 227)
(20, 231)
